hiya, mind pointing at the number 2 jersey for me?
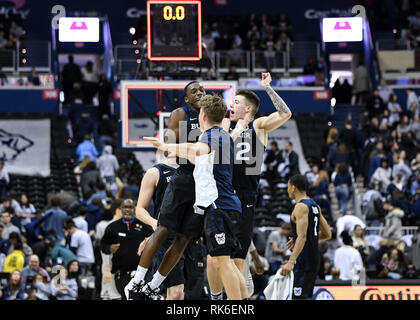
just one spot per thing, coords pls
(309, 258)
(249, 157)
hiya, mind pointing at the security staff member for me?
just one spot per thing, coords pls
(124, 240)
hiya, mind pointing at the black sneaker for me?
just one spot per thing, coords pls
(133, 290)
(149, 294)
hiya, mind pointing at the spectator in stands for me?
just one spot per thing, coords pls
(104, 96)
(361, 84)
(90, 177)
(381, 178)
(272, 160)
(341, 155)
(4, 179)
(33, 78)
(412, 102)
(32, 269)
(232, 74)
(95, 211)
(81, 245)
(43, 288)
(15, 261)
(400, 167)
(60, 254)
(84, 126)
(276, 249)
(415, 209)
(359, 242)
(292, 159)
(14, 289)
(100, 193)
(86, 148)
(309, 69)
(234, 56)
(409, 145)
(80, 220)
(26, 210)
(349, 138)
(377, 156)
(56, 218)
(284, 24)
(16, 31)
(375, 105)
(5, 220)
(394, 109)
(372, 206)
(405, 125)
(312, 175)
(342, 183)
(392, 230)
(414, 253)
(322, 195)
(106, 132)
(64, 288)
(71, 75)
(270, 57)
(89, 84)
(108, 165)
(3, 78)
(84, 292)
(385, 91)
(130, 189)
(415, 128)
(394, 264)
(15, 240)
(347, 259)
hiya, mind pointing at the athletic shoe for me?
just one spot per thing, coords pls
(148, 294)
(132, 289)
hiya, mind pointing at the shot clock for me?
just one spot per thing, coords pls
(174, 30)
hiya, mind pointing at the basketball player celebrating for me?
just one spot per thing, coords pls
(176, 212)
(250, 145)
(215, 196)
(309, 227)
(153, 186)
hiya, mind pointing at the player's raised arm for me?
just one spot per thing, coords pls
(301, 214)
(276, 119)
(147, 188)
(183, 150)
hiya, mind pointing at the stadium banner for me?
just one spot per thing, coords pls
(25, 146)
(368, 292)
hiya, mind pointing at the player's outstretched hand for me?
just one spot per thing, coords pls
(155, 141)
(265, 79)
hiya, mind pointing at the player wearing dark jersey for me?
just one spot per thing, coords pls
(153, 186)
(215, 198)
(309, 227)
(176, 212)
(251, 138)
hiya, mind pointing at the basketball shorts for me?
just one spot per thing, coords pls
(304, 280)
(177, 212)
(220, 231)
(246, 223)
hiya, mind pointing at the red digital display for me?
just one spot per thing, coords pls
(174, 30)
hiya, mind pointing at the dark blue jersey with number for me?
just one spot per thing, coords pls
(309, 257)
(249, 157)
(188, 132)
(165, 174)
